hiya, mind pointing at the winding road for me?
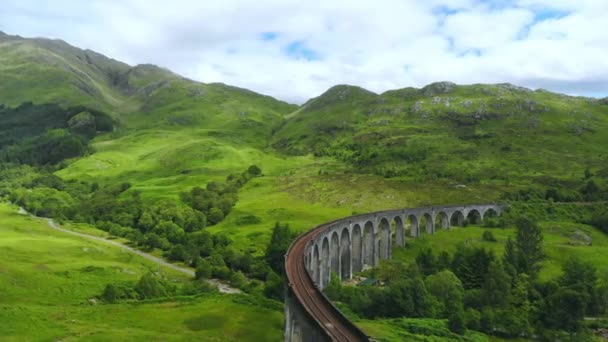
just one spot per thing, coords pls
(221, 286)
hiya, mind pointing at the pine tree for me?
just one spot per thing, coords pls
(529, 242)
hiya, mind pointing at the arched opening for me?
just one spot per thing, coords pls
(473, 217)
(315, 265)
(334, 252)
(442, 220)
(457, 219)
(399, 229)
(411, 225)
(384, 239)
(357, 249)
(426, 221)
(489, 213)
(345, 252)
(324, 263)
(368, 244)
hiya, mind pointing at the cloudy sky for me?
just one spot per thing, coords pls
(295, 50)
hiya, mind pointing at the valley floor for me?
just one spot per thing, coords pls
(50, 280)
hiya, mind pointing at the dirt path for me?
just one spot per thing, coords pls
(220, 285)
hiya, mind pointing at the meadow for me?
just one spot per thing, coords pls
(50, 282)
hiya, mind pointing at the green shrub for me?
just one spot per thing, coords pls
(488, 236)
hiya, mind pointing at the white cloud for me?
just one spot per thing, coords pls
(379, 45)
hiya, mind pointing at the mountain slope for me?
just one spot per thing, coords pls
(52, 71)
(462, 133)
(181, 124)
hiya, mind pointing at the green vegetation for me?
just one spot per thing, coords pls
(51, 281)
(488, 134)
(200, 174)
(471, 288)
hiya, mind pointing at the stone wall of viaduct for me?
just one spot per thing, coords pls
(349, 245)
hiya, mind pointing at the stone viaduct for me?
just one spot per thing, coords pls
(350, 245)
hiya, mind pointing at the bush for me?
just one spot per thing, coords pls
(491, 222)
(110, 294)
(149, 286)
(600, 221)
(203, 270)
(221, 272)
(456, 322)
(238, 280)
(254, 170)
(488, 236)
(472, 318)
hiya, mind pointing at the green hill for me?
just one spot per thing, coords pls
(89, 139)
(52, 71)
(489, 133)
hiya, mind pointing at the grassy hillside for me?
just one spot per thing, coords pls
(347, 151)
(49, 280)
(52, 71)
(494, 134)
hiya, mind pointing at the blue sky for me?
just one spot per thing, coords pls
(295, 50)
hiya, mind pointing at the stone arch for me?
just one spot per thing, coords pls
(426, 221)
(334, 253)
(357, 249)
(345, 255)
(368, 244)
(473, 216)
(399, 231)
(442, 220)
(324, 273)
(457, 219)
(384, 239)
(489, 213)
(411, 224)
(315, 265)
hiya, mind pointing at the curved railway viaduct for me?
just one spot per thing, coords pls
(350, 245)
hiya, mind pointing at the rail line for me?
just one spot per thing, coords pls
(333, 323)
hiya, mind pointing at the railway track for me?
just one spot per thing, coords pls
(334, 324)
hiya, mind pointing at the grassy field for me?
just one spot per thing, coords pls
(49, 281)
(560, 243)
(416, 329)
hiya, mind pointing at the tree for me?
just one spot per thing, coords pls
(177, 253)
(279, 243)
(497, 286)
(214, 187)
(582, 277)
(237, 279)
(447, 289)
(254, 170)
(427, 262)
(456, 322)
(600, 221)
(203, 269)
(215, 215)
(470, 264)
(590, 190)
(110, 294)
(472, 317)
(149, 286)
(564, 310)
(275, 287)
(146, 222)
(529, 240)
(510, 258)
